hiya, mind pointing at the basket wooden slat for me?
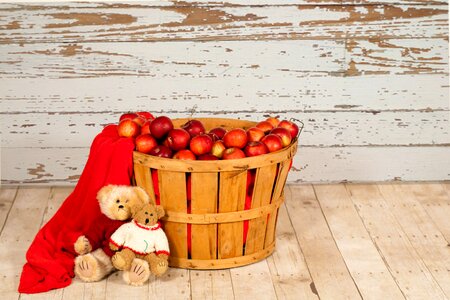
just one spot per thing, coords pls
(172, 186)
(283, 170)
(231, 199)
(217, 203)
(204, 201)
(262, 194)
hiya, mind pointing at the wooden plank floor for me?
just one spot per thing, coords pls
(370, 241)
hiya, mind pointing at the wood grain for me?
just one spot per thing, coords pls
(393, 244)
(23, 222)
(361, 256)
(36, 24)
(426, 238)
(325, 263)
(311, 164)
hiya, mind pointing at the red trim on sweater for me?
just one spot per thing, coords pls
(114, 243)
(158, 226)
(162, 252)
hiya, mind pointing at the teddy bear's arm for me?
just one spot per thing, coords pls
(117, 239)
(162, 245)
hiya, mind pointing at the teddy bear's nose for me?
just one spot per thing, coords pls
(146, 221)
(121, 206)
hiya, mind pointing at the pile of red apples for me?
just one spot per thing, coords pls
(158, 137)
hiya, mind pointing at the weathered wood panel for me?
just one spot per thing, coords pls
(65, 23)
(311, 164)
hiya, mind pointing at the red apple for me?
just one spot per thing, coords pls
(160, 127)
(128, 128)
(184, 154)
(146, 115)
(201, 144)
(194, 127)
(235, 138)
(274, 121)
(161, 151)
(128, 116)
(178, 139)
(213, 136)
(207, 156)
(233, 153)
(255, 149)
(145, 143)
(291, 126)
(218, 148)
(139, 120)
(273, 142)
(219, 131)
(284, 134)
(265, 126)
(145, 129)
(255, 134)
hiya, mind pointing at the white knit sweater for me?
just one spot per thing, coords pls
(141, 239)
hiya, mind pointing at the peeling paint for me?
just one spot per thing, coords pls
(39, 171)
(90, 19)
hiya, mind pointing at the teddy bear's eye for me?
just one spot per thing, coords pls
(117, 201)
(151, 215)
(146, 213)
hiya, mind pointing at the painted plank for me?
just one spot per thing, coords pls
(290, 274)
(299, 59)
(37, 24)
(411, 274)
(425, 237)
(250, 93)
(215, 284)
(62, 166)
(361, 256)
(55, 199)
(325, 263)
(116, 288)
(17, 4)
(174, 284)
(21, 226)
(321, 128)
(436, 202)
(7, 196)
(253, 281)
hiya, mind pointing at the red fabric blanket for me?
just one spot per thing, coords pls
(50, 258)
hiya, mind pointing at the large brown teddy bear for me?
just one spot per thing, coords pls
(142, 238)
(116, 204)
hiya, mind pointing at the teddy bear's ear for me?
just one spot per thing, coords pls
(104, 193)
(142, 195)
(135, 208)
(160, 211)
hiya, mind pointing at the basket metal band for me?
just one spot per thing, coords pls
(236, 216)
(221, 263)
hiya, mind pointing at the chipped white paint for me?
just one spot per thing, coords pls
(372, 89)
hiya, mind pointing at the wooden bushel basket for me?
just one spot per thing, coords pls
(217, 203)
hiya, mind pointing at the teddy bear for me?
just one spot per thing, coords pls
(93, 262)
(141, 238)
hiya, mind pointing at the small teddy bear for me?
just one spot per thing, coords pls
(141, 238)
(115, 203)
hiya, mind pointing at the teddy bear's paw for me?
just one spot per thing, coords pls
(160, 267)
(86, 267)
(82, 245)
(119, 262)
(138, 273)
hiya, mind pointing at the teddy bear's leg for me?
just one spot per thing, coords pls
(93, 266)
(158, 265)
(138, 273)
(122, 259)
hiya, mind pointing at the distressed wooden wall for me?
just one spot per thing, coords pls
(368, 77)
